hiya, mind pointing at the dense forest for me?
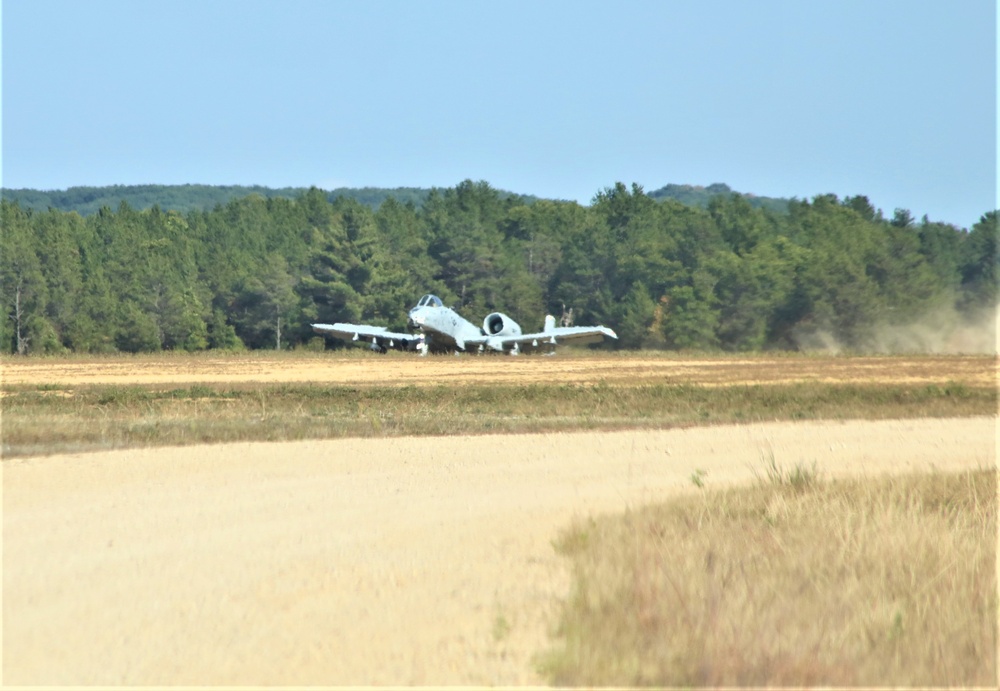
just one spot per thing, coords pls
(255, 271)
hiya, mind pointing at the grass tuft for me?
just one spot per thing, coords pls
(698, 478)
(799, 477)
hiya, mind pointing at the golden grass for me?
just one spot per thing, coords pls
(869, 582)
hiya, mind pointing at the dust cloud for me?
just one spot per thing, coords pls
(943, 331)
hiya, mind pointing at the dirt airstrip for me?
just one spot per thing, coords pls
(406, 369)
(362, 561)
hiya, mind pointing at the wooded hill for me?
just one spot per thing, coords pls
(255, 271)
(696, 195)
(184, 198)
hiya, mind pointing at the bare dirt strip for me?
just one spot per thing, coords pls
(368, 561)
(406, 369)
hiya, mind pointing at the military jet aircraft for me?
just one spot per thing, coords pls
(441, 329)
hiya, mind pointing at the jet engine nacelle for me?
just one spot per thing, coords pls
(499, 324)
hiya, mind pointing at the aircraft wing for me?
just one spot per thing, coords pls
(560, 335)
(379, 337)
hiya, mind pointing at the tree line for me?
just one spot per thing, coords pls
(256, 271)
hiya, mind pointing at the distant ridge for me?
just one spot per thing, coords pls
(185, 198)
(696, 195)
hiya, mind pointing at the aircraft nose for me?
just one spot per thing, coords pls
(415, 320)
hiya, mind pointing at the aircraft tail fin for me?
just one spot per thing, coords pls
(550, 323)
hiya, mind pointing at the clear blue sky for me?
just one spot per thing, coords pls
(894, 99)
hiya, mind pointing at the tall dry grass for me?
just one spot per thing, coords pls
(871, 582)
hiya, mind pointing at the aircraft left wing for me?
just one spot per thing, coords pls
(379, 337)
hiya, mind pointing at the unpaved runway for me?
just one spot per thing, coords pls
(405, 369)
(359, 561)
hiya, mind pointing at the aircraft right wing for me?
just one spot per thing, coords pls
(379, 337)
(510, 339)
(558, 335)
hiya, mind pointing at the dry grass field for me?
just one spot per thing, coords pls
(793, 581)
(400, 559)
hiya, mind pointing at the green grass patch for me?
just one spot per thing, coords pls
(49, 419)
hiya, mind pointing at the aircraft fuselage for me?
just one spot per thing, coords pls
(443, 327)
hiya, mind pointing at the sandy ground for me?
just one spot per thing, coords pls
(408, 369)
(362, 561)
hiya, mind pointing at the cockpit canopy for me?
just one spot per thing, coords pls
(430, 301)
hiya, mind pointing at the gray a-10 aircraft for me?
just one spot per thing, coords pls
(441, 329)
